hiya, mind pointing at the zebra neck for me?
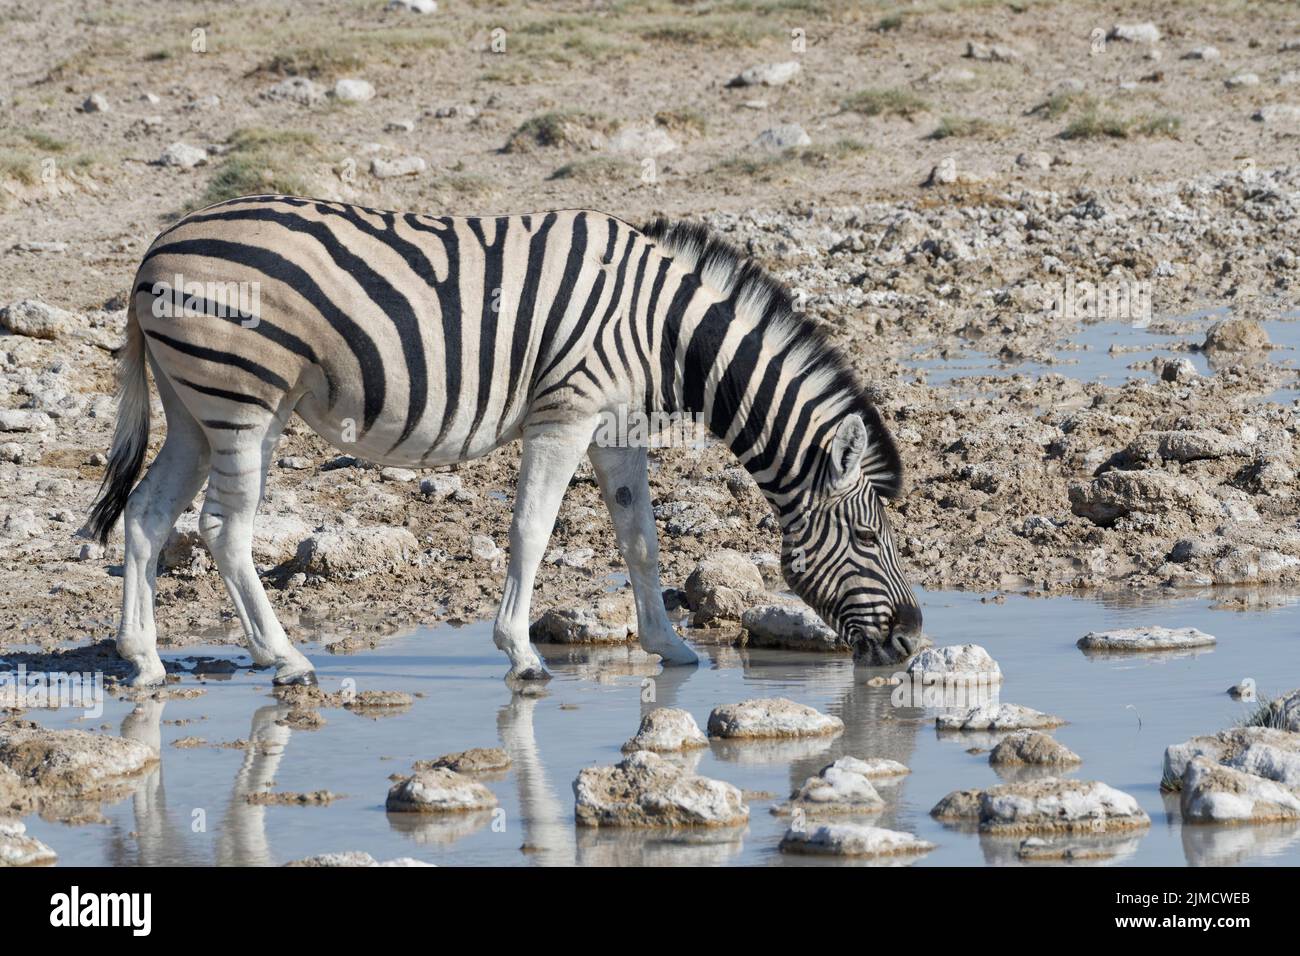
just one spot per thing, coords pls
(731, 372)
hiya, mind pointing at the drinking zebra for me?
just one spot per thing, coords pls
(419, 340)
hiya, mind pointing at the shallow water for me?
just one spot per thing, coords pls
(1086, 355)
(1122, 712)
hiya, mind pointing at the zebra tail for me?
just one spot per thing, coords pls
(131, 436)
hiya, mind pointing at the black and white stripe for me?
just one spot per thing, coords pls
(421, 340)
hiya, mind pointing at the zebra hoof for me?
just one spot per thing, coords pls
(301, 679)
(530, 674)
(146, 678)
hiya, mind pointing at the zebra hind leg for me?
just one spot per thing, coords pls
(166, 490)
(625, 485)
(241, 454)
(550, 457)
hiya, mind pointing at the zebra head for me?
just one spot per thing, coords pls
(837, 547)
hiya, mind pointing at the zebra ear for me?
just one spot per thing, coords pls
(847, 449)
(859, 447)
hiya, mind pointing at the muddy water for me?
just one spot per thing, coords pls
(1122, 712)
(1087, 356)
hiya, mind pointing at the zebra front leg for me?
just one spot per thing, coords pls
(240, 456)
(166, 490)
(625, 485)
(550, 456)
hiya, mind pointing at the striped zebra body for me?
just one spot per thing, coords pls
(416, 340)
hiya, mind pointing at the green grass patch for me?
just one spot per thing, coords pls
(1095, 124)
(561, 128)
(963, 127)
(264, 161)
(891, 102)
(598, 169)
(1163, 125)
(682, 121)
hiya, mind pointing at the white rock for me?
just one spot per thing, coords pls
(353, 91)
(995, 53)
(842, 787)
(295, 89)
(439, 791)
(1135, 32)
(38, 320)
(183, 155)
(646, 790)
(768, 74)
(782, 137)
(609, 621)
(1278, 114)
(414, 6)
(1053, 804)
(1202, 53)
(955, 663)
(852, 839)
(399, 126)
(441, 486)
(1267, 751)
(1030, 747)
(18, 849)
(1145, 639)
(483, 548)
(998, 717)
(398, 475)
(353, 858)
(1212, 793)
(382, 168)
(642, 141)
(72, 761)
(771, 717)
(96, 103)
(793, 626)
(23, 420)
(667, 729)
(1240, 80)
(356, 552)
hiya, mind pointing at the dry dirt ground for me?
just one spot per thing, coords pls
(1056, 151)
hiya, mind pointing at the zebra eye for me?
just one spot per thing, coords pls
(868, 537)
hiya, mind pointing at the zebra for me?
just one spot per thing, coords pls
(418, 340)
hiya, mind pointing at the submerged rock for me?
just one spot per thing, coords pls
(18, 849)
(474, 760)
(1028, 747)
(852, 839)
(998, 717)
(1145, 639)
(1266, 752)
(1036, 848)
(1235, 334)
(771, 717)
(667, 729)
(439, 791)
(1051, 804)
(955, 663)
(843, 787)
(646, 790)
(353, 858)
(1213, 793)
(792, 626)
(71, 762)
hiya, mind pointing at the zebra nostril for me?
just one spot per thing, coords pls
(907, 619)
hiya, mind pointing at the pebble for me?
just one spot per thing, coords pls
(768, 74)
(842, 787)
(382, 168)
(1135, 32)
(19, 849)
(184, 156)
(474, 760)
(414, 6)
(783, 137)
(353, 91)
(295, 89)
(96, 103)
(790, 626)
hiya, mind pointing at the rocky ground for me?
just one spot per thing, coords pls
(1054, 155)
